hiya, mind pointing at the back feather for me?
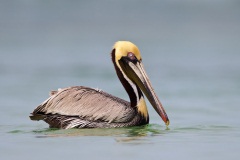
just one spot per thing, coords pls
(86, 103)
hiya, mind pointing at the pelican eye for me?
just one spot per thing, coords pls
(131, 56)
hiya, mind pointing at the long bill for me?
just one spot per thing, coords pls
(136, 72)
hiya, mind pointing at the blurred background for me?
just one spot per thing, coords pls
(190, 50)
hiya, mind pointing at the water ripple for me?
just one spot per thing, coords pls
(138, 131)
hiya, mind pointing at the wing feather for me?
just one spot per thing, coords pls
(87, 103)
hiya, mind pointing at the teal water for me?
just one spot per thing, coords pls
(190, 50)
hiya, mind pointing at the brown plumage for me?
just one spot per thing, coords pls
(83, 107)
(87, 108)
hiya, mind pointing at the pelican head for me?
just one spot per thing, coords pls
(128, 64)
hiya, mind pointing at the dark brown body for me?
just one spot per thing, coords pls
(92, 109)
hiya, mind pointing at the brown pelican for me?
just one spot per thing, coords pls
(83, 107)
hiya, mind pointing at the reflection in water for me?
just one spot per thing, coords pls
(131, 135)
(122, 134)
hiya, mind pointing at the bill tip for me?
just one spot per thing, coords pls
(167, 123)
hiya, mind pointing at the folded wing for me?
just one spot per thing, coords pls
(86, 103)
